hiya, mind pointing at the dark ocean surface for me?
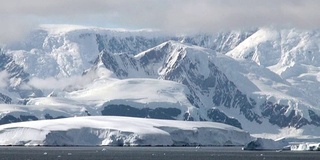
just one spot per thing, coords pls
(154, 153)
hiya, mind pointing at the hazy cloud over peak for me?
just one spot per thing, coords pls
(171, 15)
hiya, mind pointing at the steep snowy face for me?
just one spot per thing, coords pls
(287, 52)
(293, 58)
(63, 51)
(262, 47)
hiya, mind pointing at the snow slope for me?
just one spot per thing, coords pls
(138, 93)
(120, 131)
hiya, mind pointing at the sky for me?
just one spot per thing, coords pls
(18, 17)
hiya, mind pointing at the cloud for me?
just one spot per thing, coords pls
(62, 83)
(67, 83)
(13, 28)
(4, 79)
(172, 15)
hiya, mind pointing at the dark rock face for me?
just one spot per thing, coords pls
(110, 61)
(188, 117)
(14, 70)
(125, 110)
(5, 99)
(315, 119)
(127, 44)
(10, 119)
(217, 116)
(154, 56)
(16, 73)
(48, 116)
(276, 115)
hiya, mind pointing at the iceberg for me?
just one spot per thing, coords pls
(305, 147)
(120, 131)
(266, 144)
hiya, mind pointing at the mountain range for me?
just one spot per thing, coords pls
(264, 80)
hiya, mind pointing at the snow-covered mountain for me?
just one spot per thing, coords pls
(263, 80)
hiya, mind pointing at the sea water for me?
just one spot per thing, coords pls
(154, 153)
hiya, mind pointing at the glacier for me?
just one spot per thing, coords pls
(120, 131)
